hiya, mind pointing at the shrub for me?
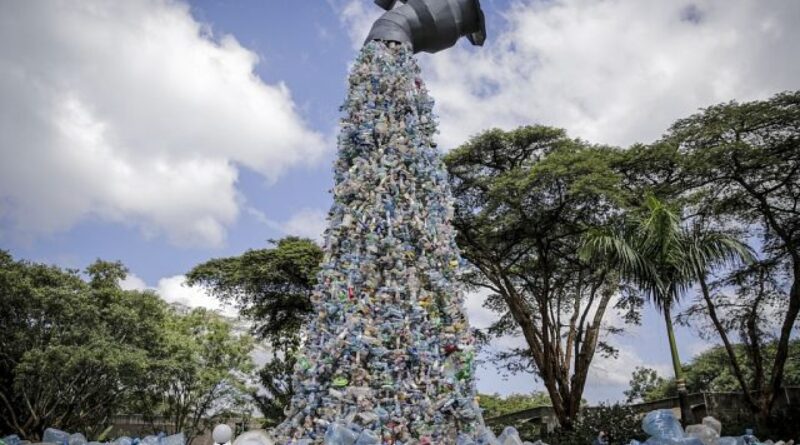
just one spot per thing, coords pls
(620, 422)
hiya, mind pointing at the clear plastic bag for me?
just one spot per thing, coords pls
(53, 435)
(662, 424)
(77, 439)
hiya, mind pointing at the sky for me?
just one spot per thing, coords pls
(165, 133)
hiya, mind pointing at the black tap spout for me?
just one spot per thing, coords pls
(430, 25)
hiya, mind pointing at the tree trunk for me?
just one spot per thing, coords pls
(683, 395)
(737, 370)
(782, 353)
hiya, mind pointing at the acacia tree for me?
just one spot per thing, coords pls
(523, 200)
(742, 168)
(272, 288)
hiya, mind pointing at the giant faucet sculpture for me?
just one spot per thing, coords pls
(430, 25)
(388, 355)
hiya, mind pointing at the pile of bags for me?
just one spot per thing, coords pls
(58, 437)
(389, 355)
(665, 429)
(345, 436)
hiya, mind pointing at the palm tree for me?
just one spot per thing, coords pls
(663, 259)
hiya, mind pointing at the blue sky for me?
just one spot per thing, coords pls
(165, 133)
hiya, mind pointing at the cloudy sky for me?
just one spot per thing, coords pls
(163, 133)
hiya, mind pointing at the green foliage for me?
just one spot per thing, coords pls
(75, 353)
(663, 259)
(743, 160)
(494, 405)
(70, 350)
(523, 200)
(644, 383)
(271, 287)
(198, 376)
(709, 371)
(740, 169)
(620, 423)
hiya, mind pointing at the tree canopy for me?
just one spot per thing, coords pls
(75, 352)
(741, 168)
(709, 371)
(494, 405)
(272, 288)
(523, 201)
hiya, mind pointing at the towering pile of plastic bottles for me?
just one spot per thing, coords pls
(388, 355)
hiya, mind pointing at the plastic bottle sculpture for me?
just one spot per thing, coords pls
(388, 356)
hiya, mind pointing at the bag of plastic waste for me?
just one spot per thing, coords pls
(53, 435)
(175, 439)
(12, 439)
(662, 424)
(728, 440)
(256, 437)
(124, 440)
(509, 436)
(713, 423)
(150, 440)
(77, 439)
(706, 434)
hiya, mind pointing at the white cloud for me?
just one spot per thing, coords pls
(174, 290)
(610, 371)
(133, 282)
(615, 71)
(479, 317)
(356, 17)
(135, 113)
(309, 223)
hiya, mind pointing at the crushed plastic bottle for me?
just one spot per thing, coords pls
(56, 436)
